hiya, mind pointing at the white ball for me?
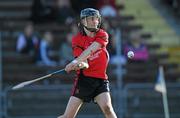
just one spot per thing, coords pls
(130, 54)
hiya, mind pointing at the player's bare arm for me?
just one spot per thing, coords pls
(86, 53)
(82, 59)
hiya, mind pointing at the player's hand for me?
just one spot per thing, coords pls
(71, 66)
(83, 65)
(76, 66)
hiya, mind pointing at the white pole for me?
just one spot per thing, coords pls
(119, 72)
(164, 95)
(165, 103)
(161, 87)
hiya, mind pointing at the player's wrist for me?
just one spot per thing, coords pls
(74, 61)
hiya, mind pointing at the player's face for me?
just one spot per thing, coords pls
(91, 21)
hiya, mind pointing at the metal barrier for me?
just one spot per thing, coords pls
(29, 96)
(32, 99)
(139, 97)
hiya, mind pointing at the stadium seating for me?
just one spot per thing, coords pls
(152, 22)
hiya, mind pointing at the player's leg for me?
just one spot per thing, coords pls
(104, 101)
(72, 108)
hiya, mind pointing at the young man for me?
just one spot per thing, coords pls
(91, 60)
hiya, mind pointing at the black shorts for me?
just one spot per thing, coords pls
(87, 88)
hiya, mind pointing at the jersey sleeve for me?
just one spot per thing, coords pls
(77, 50)
(102, 38)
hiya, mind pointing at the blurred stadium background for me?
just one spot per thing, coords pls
(132, 84)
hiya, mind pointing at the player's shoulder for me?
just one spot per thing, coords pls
(102, 32)
(76, 37)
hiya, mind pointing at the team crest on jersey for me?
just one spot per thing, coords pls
(95, 55)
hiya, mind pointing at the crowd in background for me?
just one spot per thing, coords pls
(65, 11)
(40, 46)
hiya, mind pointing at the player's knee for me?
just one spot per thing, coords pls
(107, 109)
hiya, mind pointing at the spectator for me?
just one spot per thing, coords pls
(107, 10)
(40, 12)
(27, 42)
(78, 5)
(101, 3)
(45, 50)
(65, 50)
(62, 12)
(136, 45)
